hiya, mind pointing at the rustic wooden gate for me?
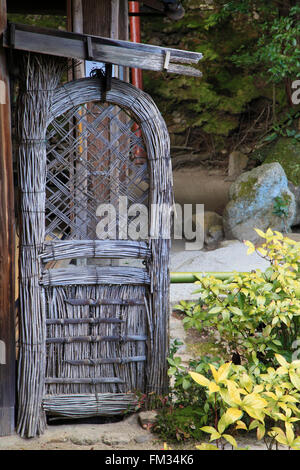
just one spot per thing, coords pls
(94, 305)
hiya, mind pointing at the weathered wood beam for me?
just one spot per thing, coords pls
(7, 281)
(119, 52)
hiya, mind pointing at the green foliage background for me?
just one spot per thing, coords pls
(251, 53)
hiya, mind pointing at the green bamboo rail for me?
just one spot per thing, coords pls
(190, 277)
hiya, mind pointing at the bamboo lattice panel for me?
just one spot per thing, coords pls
(95, 154)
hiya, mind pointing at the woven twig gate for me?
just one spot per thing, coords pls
(93, 333)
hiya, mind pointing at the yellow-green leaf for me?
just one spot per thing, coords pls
(214, 372)
(208, 429)
(255, 400)
(279, 435)
(262, 251)
(246, 382)
(253, 424)
(260, 432)
(205, 446)
(289, 433)
(215, 435)
(223, 371)
(234, 394)
(251, 247)
(230, 416)
(233, 414)
(260, 233)
(200, 379)
(215, 310)
(213, 387)
(241, 425)
(295, 379)
(256, 414)
(260, 300)
(230, 439)
(281, 360)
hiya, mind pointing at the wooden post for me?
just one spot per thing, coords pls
(7, 248)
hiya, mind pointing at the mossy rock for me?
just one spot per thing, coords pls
(286, 151)
(252, 199)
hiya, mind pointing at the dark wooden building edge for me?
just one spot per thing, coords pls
(79, 46)
(7, 244)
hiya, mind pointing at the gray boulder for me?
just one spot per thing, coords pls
(251, 203)
(296, 191)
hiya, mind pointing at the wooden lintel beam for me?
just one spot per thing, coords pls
(113, 51)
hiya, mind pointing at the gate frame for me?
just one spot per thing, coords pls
(31, 416)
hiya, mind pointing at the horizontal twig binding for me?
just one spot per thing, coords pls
(74, 321)
(95, 275)
(78, 380)
(93, 303)
(121, 249)
(105, 360)
(96, 339)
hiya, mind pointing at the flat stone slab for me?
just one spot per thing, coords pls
(231, 256)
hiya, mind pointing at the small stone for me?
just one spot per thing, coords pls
(237, 163)
(114, 439)
(143, 438)
(131, 419)
(147, 418)
(215, 234)
(57, 440)
(83, 440)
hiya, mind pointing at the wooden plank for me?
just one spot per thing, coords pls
(126, 53)
(7, 248)
(179, 54)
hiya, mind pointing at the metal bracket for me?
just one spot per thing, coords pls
(104, 77)
(89, 43)
(11, 34)
(167, 60)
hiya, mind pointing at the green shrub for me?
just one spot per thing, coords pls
(258, 313)
(266, 402)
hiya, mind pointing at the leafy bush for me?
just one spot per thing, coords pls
(264, 402)
(187, 408)
(258, 313)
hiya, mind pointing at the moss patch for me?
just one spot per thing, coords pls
(206, 344)
(286, 151)
(246, 189)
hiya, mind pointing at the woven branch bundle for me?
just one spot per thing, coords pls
(40, 79)
(86, 405)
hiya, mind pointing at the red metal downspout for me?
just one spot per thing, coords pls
(136, 74)
(135, 36)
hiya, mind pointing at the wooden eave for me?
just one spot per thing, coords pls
(96, 48)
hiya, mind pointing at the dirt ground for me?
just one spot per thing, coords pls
(124, 435)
